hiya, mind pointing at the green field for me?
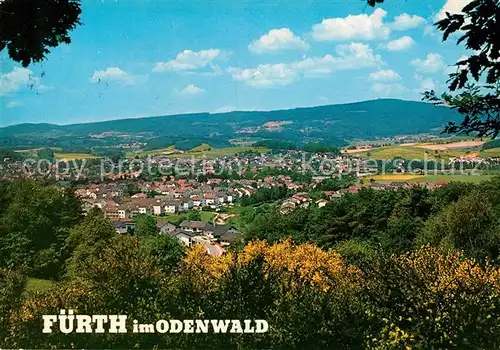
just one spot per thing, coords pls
(388, 178)
(449, 178)
(73, 156)
(492, 152)
(201, 151)
(150, 152)
(219, 152)
(408, 152)
(201, 148)
(176, 219)
(38, 285)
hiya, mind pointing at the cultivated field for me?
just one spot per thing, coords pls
(492, 152)
(388, 178)
(409, 152)
(66, 157)
(218, 152)
(449, 178)
(449, 146)
(203, 150)
(393, 177)
(167, 150)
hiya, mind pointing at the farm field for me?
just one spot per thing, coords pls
(429, 178)
(200, 151)
(408, 152)
(393, 177)
(73, 156)
(153, 152)
(492, 152)
(449, 178)
(219, 152)
(443, 146)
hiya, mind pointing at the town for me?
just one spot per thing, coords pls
(198, 202)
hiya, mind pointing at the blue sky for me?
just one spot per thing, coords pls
(148, 58)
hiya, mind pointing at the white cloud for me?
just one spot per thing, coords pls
(265, 75)
(360, 27)
(14, 104)
(351, 56)
(451, 6)
(431, 31)
(406, 21)
(20, 78)
(225, 109)
(433, 63)
(191, 90)
(388, 90)
(231, 108)
(426, 83)
(384, 75)
(277, 40)
(400, 44)
(112, 74)
(188, 60)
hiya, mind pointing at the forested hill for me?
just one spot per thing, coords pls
(333, 123)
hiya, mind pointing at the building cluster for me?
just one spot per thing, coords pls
(303, 200)
(215, 238)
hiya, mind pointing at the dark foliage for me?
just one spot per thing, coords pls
(31, 27)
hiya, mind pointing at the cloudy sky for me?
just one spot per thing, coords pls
(147, 58)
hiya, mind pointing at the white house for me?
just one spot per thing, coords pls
(158, 209)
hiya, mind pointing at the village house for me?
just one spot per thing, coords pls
(165, 227)
(209, 199)
(124, 226)
(185, 237)
(288, 206)
(321, 203)
(201, 227)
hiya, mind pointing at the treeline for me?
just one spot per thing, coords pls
(10, 154)
(404, 269)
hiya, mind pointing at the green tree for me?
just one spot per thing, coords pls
(87, 241)
(167, 251)
(145, 226)
(34, 224)
(31, 27)
(470, 224)
(12, 285)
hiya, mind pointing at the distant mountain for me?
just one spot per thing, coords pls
(333, 124)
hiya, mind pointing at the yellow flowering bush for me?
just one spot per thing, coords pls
(435, 299)
(307, 262)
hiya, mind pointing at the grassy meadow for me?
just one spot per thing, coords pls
(409, 152)
(38, 285)
(178, 218)
(203, 150)
(66, 157)
(388, 178)
(492, 152)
